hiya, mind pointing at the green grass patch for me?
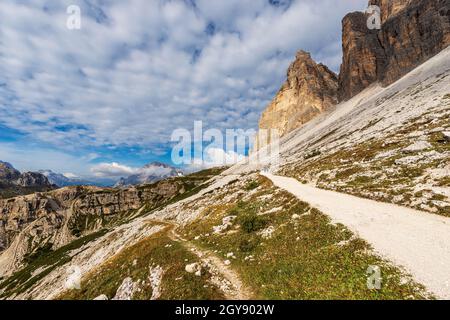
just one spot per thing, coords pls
(252, 185)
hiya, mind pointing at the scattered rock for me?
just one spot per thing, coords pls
(273, 210)
(126, 290)
(227, 222)
(101, 297)
(231, 255)
(155, 277)
(418, 146)
(267, 233)
(446, 135)
(193, 268)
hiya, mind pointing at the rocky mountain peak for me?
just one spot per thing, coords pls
(412, 31)
(309, 90)
(13, 183)
(8, 172)
(33, 179)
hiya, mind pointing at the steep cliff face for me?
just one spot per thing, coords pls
(364, 58)
(390, 7)
(412, 31)
(413, 35)
(310, 89)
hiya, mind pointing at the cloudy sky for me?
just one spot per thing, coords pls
(114, 91)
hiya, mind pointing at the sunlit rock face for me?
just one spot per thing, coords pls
(309, 90)
(412, 31)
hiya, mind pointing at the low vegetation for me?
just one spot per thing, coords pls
(284, 249)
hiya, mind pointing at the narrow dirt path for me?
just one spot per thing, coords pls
(418, 241)
(223, 276)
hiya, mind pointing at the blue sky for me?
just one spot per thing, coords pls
(114, 91)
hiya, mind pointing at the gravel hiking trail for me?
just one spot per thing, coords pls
(222, 275)
(415, 240)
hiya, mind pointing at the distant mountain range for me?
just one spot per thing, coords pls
(150, 173)
(63, 181)
(14, 183)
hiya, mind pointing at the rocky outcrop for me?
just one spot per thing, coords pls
(7, 172)
(14, 183)
(110, 203)
(310, 89)
(33, 179)
(54, 219)
(390, 7)
(412, 31)
(413, 35)
(83, 208)
(364, 58)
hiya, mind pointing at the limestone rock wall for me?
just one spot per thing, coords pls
(309, 90)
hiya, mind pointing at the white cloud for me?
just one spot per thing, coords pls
(111, 170)
(70, 175)
(115, 170)
(150, 66)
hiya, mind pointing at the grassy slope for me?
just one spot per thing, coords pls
(305, 259)
(10, 191)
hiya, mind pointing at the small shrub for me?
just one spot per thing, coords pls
(41, 252)
(251, 222)
(252, 185)
(248, 244)
(299, 208)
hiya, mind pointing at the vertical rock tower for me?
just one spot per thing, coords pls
(412, 31)
(309, 90)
